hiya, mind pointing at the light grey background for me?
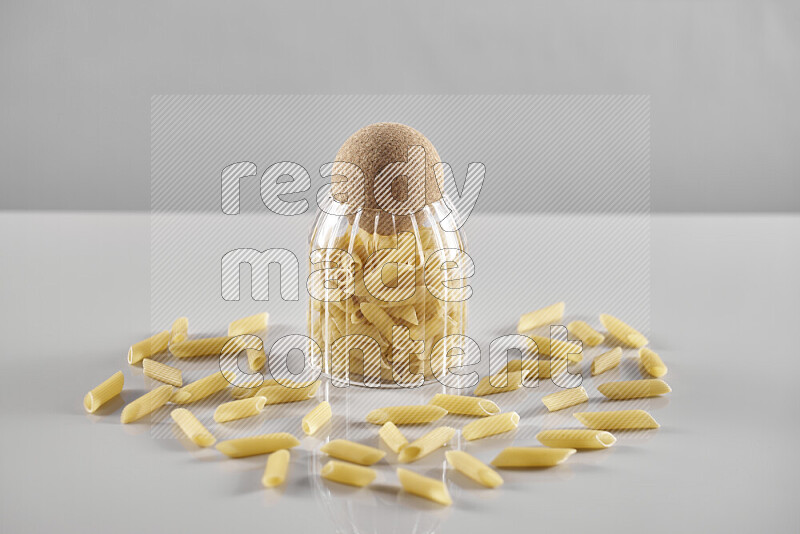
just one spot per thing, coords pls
(76, 78)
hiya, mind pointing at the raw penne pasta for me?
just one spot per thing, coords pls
(531, 456)
(546, 316)
(277, 467)
(585, 333)
(107, 390)
(406, 415)
(249, 325)
(344, 473)
(239, 409)
(473, 468)
(606, 361)
(463, 405)
(652, 363)
(634, 389)
(317, 417)
(565, 399)
(256, 358)
(146, 348)
(576, 439)
(192, 427)
(162, 372)
(490, 426)
(624, 333)
(179, 331)
(250, 388)
(252, 446)
(513, 383)
(194, 348)
(427, 488)
(203, 388)
(279, 394)
(425, 445)
(146, 404)
(617, 420)
(555, 348)
(392, 437)
(353, 452)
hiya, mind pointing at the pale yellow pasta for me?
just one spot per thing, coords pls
(606, 361)
(576, 439)
(565, 399)
(623, 332)
(107, 390)
(463, 405)
(250, 388)
(203, 388)
(239, 409)
(425, 445)
(406, 415)
(427, 488)
(192, 427)
(634, 389)
(254, 324)
(532, 456)
(146, 348)
(490, 426)
(317, 417)
(546, 316)
(279, 394)
(162, 372)
(344, 473)
(353, 452)
(256, 358)
(585, 333)
(210, 346)
(392, 437)
(513, 382)
(556, 348)
(617, 420)
(542, 367)
(277, 467)
(179, 331)
(146, 404)
(652, 363)
(252, 446)
(473, 468)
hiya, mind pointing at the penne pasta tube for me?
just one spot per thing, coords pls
(353, 452)
(425, 445)
(249, 325)
(473, 468)
(624, 333)
(146, 404)
(585, 333)
(576, 439)
(194, 348)
(245, 392)
(256, 359)
(239, 409)
(513, 383)
(546, 316)
(531, 456)
(352, 475)
(146, 348)
(192, 427)
(279, 394)
(107, 390)
(490, 426)
(252, 446)
(179, 331)
(634, 389)
(606, 361)
(277, 467)
(617, 420)
(565, 399)
(463, 405)
(555, 348)
(203, 388)
(392, 437)
(317, 417)
(427, 488)
(162, 372)
(406, 415)
(652, 363)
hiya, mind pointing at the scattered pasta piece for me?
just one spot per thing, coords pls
(558, 349)
(606, 361)
(652, 363)
(203, 388)
(146, 348)
(279, 394)
(634, 389)
(252, 446)
(617, 420)
(107, 390)
(146, 404)
(531, 457)
(490, 426)
(277, 467)
(625, 333)
(250, 388)
(317, 417)
(565, 399)
(513, 381)
(239, 409)
(254, 324)
(406, 415)
(353, 452)
(392, 437)
(473, 468)
(425, 445)
(192, 427)
(463, 405)
(179, 331)
(352, 475)
(576, 439)
(162, 372)
(585, 333)
(546, 316)
(427, 488)
(194, 348)
(256, 358)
